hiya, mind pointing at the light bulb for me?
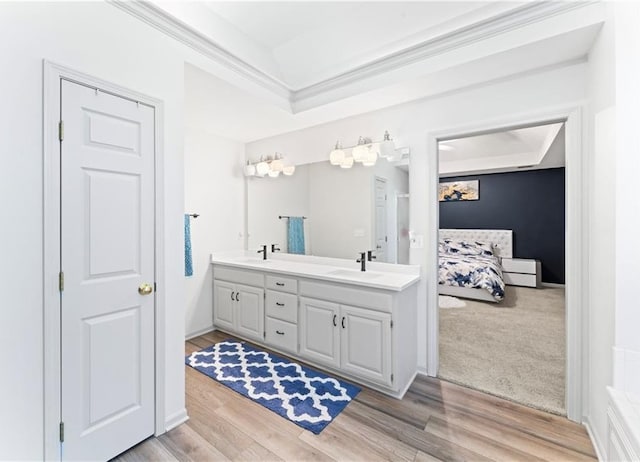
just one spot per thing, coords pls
(371, 158)
(273, 173)
(359, 153)
(262, 168)
(277, 165)
(337, 155)
(347, 162)
(289, 169)
(249, 170)
(387, 147)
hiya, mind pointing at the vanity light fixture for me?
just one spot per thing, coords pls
(270, 166)
(337, 155)
(365, 152)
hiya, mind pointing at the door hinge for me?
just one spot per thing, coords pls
(62, 432)
(61, 130)
(392, 324)
(155, 286)
(385, 239)
(61, 281)
(391, 378)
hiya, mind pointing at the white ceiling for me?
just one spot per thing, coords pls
(313, 41)
(527, 148)
(292, 65)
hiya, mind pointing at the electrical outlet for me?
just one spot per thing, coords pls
(416, 241)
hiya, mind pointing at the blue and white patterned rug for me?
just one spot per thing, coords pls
(306, 397)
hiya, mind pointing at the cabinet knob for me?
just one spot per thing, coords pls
(279, 304)
(279, 333)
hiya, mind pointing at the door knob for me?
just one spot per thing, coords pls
(145, 289)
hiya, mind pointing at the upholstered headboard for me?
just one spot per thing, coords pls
(502, 239)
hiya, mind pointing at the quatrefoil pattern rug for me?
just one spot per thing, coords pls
(309, 398)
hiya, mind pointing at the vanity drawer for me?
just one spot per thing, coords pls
(282, 284)
(282, 306)
(249, 278)
(281, 334)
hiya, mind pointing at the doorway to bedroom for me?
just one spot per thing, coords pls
(501, 271)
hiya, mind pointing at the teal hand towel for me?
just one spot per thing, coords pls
(188, 256)
(295, 235)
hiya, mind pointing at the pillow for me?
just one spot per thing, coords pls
(468, 248)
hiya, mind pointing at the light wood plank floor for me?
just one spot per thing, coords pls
(436, 420)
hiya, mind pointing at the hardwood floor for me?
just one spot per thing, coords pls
(436, 420)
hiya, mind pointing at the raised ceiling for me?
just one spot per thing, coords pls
(275, 67)
(526, 148)
(310, 42)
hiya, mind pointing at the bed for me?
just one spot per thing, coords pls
(469, 262)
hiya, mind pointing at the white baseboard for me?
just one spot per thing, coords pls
(597, 443)
(176, 419)
(552, 284)
(199, 332)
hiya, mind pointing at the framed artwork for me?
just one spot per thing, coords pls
(459, 191)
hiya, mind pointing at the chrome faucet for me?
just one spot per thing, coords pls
(275, 248)
(363, 261)
(263, 252)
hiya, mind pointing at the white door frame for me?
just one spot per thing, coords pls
(53, 73)
(575, 218)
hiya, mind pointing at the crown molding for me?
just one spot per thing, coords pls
(173, 27)
(481, 30)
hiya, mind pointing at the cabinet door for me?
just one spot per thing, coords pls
(365, 341)
(319, 334)
(223, 304)
(250, 311)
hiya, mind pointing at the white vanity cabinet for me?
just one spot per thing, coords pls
(319, 333)
(356, 340)
(239, 308)
(364, 331)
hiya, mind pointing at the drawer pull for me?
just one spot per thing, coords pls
(279, 333)
(334, 320)
(279, 304)
(343, 322)
(281, 284)
(232, 296)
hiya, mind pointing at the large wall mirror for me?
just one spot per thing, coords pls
(346, 211)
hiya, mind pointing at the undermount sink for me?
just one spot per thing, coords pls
(253, 260)
(354, 274)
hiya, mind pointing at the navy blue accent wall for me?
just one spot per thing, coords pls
(531, 203)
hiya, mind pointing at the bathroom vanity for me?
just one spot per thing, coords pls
(324, 311)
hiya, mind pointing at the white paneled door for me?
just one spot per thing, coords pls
(107, 259)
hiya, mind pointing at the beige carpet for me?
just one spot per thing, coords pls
(515, 350)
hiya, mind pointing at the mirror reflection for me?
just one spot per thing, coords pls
(345, 210)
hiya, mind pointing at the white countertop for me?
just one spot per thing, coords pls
(384, 276)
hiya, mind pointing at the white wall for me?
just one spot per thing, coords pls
(102, 40)
(601, 216)
(267, 199)
(410, 123)
(215, 189)
(627, 316)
